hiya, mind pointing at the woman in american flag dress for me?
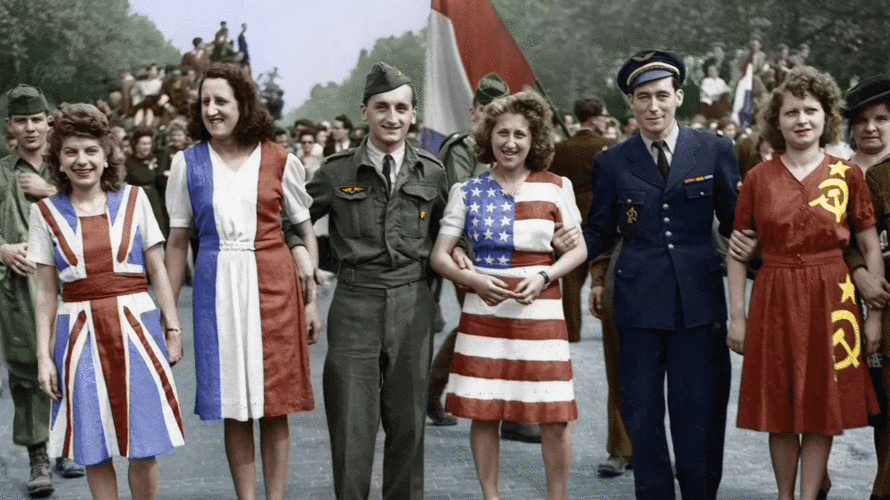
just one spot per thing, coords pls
(512, 353)
(109, 370)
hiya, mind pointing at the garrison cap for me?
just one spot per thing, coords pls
(872, 90)
(491, 87)
(26, 100)
(383, 78)
(647, 66)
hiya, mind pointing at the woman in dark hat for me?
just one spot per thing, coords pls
(868, 122)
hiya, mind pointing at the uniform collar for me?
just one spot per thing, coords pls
(671, 139)
(375, 156)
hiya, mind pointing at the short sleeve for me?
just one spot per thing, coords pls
(744, 208)
(179, 205)
(151, 232)
(860, 210)
(455, 217)
(296, 200)
(568, 207)
(40, 241)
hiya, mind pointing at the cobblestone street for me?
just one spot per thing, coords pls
(199, 470)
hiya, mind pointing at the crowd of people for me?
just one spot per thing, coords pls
(187, 166)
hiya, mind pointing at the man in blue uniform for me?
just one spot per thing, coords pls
(662, 189)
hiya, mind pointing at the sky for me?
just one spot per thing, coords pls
(309, 41)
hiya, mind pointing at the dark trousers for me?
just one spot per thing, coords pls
(696, 362)
(31, 420)
(377, 371)
(572, 283)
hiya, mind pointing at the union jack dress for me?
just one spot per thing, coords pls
(118, 392)
(512, 361)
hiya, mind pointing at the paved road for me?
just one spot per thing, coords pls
(199, 470)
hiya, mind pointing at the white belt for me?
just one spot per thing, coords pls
(244, 246)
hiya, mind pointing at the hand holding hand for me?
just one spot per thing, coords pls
(529, 289)
(491, 290)
(872, 287)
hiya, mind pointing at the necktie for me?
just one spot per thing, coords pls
(387, 171)
(663, 165)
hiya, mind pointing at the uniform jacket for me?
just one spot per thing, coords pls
(377, 238)
(16, 304)
(878, 179)
(667, 227)
(458, 155)
(573, 159)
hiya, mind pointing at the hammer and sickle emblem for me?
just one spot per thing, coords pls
(835, 199)
(840, 339)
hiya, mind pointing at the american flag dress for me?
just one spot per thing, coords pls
(512, 361)
(118, 392)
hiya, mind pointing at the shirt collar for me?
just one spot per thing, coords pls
(670, 140)
(376, 156)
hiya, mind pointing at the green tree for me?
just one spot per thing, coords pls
(406, 52)
(71, 49)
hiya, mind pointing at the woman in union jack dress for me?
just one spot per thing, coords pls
(512, 353)
(109, 371)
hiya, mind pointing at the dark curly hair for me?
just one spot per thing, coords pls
(254, 122)
(86, 121)
(799, 82)
(530, 105)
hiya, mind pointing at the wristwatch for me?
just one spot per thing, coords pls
(546, 277)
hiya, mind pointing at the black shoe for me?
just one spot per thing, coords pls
(440, 417)
(514, 431)
(614, 467)
(41, 482)
(68, 468)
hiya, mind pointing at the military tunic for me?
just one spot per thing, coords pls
(458, 153)
(379, 324)
(32, 407)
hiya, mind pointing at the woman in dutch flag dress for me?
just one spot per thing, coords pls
(109, 371)
(252, 332)
(512, 353)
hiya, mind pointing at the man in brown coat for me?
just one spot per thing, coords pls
(574, 159)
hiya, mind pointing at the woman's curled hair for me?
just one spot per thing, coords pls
(85, 121)
(254, 122)
(530, 105)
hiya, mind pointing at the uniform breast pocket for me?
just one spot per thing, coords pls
(416, 205)
(354, 213)
(700, 190)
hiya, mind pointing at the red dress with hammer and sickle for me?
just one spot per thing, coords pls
(804, 368)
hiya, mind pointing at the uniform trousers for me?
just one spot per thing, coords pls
(31, 421)
(696, 363)
(618, 443)
(881, 423)
(572, 283)
(377, 371)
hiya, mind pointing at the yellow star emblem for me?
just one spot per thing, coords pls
(839, 168)
(848, 291)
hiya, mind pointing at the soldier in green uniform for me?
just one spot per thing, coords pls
(385, 199)
(24, 180)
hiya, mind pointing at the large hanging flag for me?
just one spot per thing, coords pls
(466, 40)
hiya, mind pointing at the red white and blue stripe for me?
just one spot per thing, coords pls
(512, 361)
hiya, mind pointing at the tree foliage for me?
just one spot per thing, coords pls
(406, 52)
(72, 49)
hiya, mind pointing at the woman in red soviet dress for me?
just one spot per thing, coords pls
(804, 378)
